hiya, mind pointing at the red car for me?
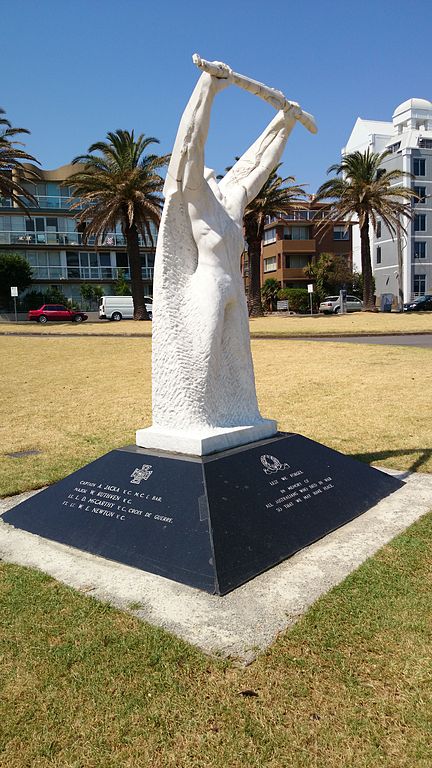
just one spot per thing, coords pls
(56, 312)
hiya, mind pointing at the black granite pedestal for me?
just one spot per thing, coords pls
(211, 522)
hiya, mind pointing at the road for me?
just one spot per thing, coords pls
(409, 340)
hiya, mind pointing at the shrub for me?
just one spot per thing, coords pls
(298, 299)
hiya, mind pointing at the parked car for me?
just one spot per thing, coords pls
(121, 307)
(56, 312)
(420, 304)
(331, 305)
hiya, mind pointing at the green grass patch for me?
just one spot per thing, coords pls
(84, 685)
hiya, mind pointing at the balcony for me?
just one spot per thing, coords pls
(290, 246)
(52, 272)
(67, 239)
(300, 215)
(52, 202)
(289, 273)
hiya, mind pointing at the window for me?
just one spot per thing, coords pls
(394, 147)
(421, 192)
(5, 223)
(419, 166)
(378, 255)
(270, 264)
(419, 250)
(122, 260)
(296, 233)
(270, 236)
(378, 228)
(426, 143)
(420, 284)
(296, 261)
(420, 222)
(45, 266)
(340, 232)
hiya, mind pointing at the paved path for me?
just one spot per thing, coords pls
(409, 340)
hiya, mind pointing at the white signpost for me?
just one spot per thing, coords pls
(14, 294)
(310, 292)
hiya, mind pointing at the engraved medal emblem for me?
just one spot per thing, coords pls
(142, 473)
(271, 464)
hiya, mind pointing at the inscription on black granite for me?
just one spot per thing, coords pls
(269, 500)
(128, 506)
(113, 502)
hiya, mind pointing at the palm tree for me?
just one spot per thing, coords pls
(11, 167)
(277, 195)
(269, 292)
(367, 191)
(121, 185)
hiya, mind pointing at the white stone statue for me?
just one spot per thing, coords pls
(204, 397)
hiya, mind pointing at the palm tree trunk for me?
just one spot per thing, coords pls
(368, 294)
(254, 297)
(137, 285)
(253, 235)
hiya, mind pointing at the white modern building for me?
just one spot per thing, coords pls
(409, 139)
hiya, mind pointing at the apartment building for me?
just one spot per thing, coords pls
(293, 240)
(52, 244)
(408, 138)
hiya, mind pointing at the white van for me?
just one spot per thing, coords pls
(120, 307)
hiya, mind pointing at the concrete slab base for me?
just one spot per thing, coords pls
(201, 443)
(246, 621)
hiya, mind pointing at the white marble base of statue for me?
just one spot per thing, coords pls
(204, 397)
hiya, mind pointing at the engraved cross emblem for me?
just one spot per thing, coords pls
(141, 474)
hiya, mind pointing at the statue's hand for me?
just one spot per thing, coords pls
(292, 110)
(222, 70)
(221, 74)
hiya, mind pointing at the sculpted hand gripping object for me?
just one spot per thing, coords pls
(204, 395)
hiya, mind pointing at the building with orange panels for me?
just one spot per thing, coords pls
(295, 239)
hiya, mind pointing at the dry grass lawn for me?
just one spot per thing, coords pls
(301, 325)
(76, 398)
(86, 686)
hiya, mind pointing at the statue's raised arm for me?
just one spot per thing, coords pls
(186, 167)
(204, 395)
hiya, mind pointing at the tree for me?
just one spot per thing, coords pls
(269, 292)
(14, 270)
(122, 285)
(357, 283)
(11, 167)
(91, 294)
(277, 195)
(365, 190)
(121, 185)
(330, 272)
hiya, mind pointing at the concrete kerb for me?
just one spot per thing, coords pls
(245, 622)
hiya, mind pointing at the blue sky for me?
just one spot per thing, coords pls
(74, 69)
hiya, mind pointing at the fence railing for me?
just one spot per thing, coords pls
(53, 272)
(300, 215)
(109, 240)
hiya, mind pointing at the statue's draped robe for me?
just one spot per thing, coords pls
(202, 364)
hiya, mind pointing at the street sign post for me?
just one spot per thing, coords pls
(310, 292)
(14, 294)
